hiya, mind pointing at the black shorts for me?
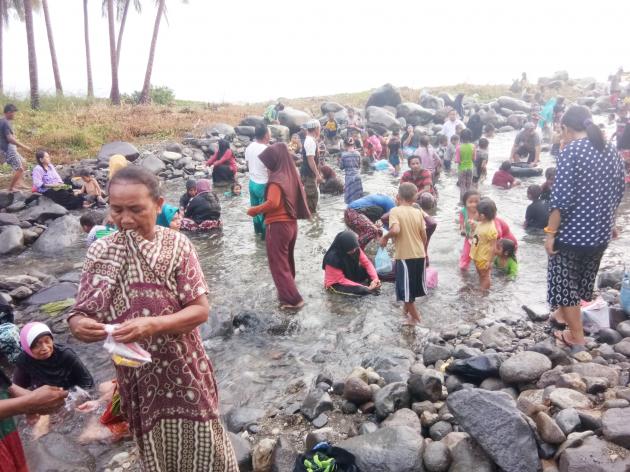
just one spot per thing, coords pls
(410, 280)
(571, 276)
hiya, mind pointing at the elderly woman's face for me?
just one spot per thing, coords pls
(133, 208)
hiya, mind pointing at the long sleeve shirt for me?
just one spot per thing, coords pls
(333, 276)
(227, 159)
(45, 177)
(273, 207)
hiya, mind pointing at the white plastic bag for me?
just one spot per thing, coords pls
(382, 261)
(128, 355)
(595, 315)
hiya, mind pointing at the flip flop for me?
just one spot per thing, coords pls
(575, 348)
(555, 324)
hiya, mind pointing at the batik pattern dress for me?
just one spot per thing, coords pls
(171, 403)
(350, 162)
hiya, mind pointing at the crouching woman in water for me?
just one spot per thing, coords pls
(285, 203)
(147, 279)
(203, 212)
(347, 270)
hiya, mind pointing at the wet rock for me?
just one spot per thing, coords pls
(493, 420)
(568, 420)
(390, 449)
(320, 421)
(492, 384)
(436, 352)
(357, 391)
(58, 292)
(476, 368)
(440, 430)
(219, 323)
(616, 426)
(243, 452)
(390, 398)
(426, 385)
(153, 164)
(58, 452)
(315, 403)
(497, 337)
(293, 119)
(381, 120)
(436, 457)
(117, 147)
(608, 336)
(387, 95)
(11, 239)
(548, 430)
(595, 455)
(63, 233)
(44, 209)
(466, 454)
(403, 417)
(239, 418)
(524, 367)
(567, 398)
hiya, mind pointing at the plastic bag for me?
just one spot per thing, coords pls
(431, 275)
(76, 396)
(382, 261)
(127, 355)
(595, 315)
(382, 165)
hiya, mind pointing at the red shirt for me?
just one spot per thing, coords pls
(227, 159)
(333, 276)
(421, 181)
(503, 179)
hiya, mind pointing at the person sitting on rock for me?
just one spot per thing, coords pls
(47, 181)
(331, 184)
(90, 189)
(191, 191)
(224, 164)
(271, 113)
(347, 270)
(204, 210)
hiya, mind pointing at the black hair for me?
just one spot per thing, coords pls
(579, 118)
(224, 145)
(488, 128)
(487, 208)
(280, 106)
(550, 172)
(407, 192)
(534, 191)
(371, 132)
(483, 143)
(137, 175)
(442, 137)
(349, 141)
(260, 131)
(234, 184)
(84, 172)
(455, 137)
(424, 141)
(508, 248)
(506, 166)
(469, 194)
(10, 107)
(191, 184)
(39, 156)
(89, 220)
(466, 135)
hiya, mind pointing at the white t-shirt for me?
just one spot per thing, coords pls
(258, 173)
(310, 146)
(449, 128)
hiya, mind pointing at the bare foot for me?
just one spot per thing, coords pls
(41, 428)
(94, 431)
(292, 307)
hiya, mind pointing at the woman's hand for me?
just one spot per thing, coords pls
(135, 330)
(86, 329)
(549, 245)
(44, 400)
(251, 212)
(375, 285)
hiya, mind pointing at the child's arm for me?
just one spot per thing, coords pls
(462, 224)
(457, 156)
(394, 230)
(474, 153)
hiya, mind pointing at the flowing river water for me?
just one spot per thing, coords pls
(253, 366)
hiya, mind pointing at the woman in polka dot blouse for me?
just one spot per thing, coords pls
(588, 188)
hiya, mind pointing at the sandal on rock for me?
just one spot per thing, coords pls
(555, 324)
(563, 337)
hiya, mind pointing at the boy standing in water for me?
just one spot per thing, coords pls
(407, 227)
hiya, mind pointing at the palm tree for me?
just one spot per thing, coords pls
(32, 54)
(51, 45)
(5, 8)
(122, 15)
(146, 88)
(115, 93)
(88, 59)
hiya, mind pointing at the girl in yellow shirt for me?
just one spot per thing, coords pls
(484, 241)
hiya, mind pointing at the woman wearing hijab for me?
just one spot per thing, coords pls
(331, 184)
(224, 164)
(169, 217)
(204, 210)
(285, 203)
(117, 162)
(42, 362)
(347, 268)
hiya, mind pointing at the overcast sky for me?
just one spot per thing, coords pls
(260, 50)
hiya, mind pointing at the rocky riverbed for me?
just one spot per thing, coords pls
(482, 386)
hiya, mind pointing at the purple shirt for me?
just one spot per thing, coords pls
(42, 178)
(428, 158)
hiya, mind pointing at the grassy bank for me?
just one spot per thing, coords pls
(74, 128)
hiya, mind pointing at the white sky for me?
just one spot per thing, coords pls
(260, 50)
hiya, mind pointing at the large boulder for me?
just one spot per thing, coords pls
(387, 95)
(431, 101)
(153, 164)
(524, 367)
(11, 239)
(595, 455)
(280, 133)
(415, 114)
(616, 426)
(44, 209)
(220, 129)
(248, 131)
(7, 219)
(118, 147)
(514, 104)
(293, 119)
(58, 292)
(390, 449)
(240, 418)
(381, 119)
(493, 420)
(252, 121)
(62, 233)
(476, 368)
(328, 107)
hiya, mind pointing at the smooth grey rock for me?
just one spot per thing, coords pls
(220, 128)
(386, 95)
(381, 119)
(616, 426)
(476, 369)
(293, 119)
(61, 291)
(390, 449)
(591, 369)
(548, 430)
(11, 239)
(315, 403)
(492, 384)
(320, 421)
(284, 455)
(524, 367)
(437, 457)
(514, 104)
(367, 427)
(170, 156)
(57, 451)
(8, 219)
(153, 164)
(493, 420)
(568, 420)
(426, 385)
(497, 337)
(403, 417)
(436, 352)
(239, 418)
(63, 233)
(330, 107)
(390, 398)
(349, 408)
(431, 101)
(44, 209)
(117, 147)
(252, 121)
(440, 430)
(594, 455)
(464, 352)
(415, 114)
(537, 313)
(466, 454)
(610, 278)
(567, 398)
(608, 336)
(623, 346)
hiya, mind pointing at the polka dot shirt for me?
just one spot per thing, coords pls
(588, 188)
